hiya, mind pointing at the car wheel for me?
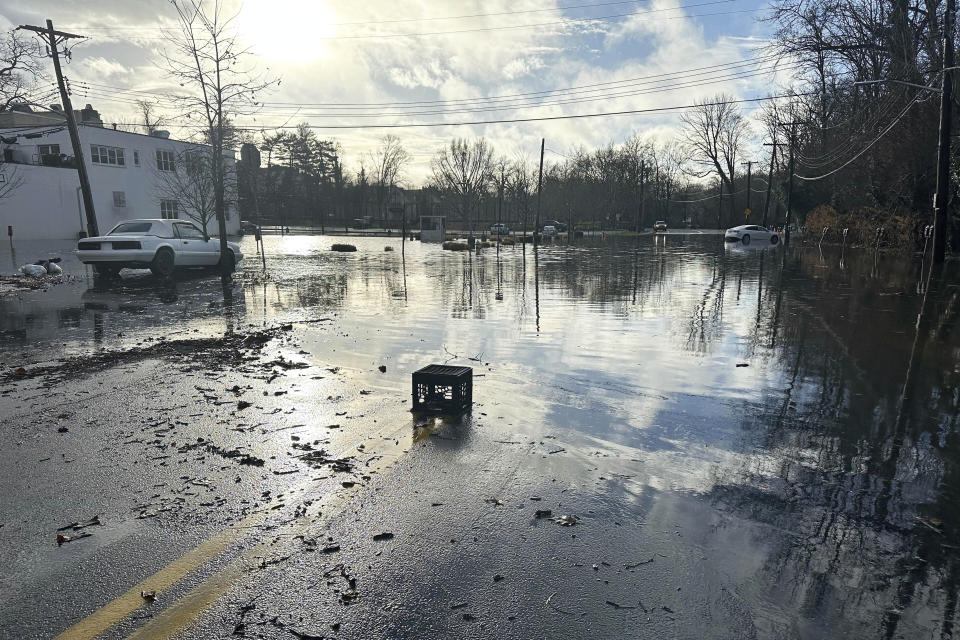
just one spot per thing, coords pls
(163, 263)
(774, 239)
(745, 239)
(106, 270)
(228, 262)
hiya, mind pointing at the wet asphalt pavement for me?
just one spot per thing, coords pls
(738, 437)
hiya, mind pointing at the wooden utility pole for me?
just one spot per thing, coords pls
(639, 220)
(720, 206)
(55, 38)
(942, 198)
(500, 209)
(766, 204)
(786, 231)
(749, 164)
(536, 229)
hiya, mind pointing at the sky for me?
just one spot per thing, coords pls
(402, 62)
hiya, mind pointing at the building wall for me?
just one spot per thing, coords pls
(45, 205)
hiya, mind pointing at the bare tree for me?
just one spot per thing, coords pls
(520, 181)
(148, 113)
(19, 69)
(207, 60)
(388, 162)
(10, 179)
(715, 132)
(464, 169)
(192, 184)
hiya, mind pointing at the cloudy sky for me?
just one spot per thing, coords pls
(356, 64)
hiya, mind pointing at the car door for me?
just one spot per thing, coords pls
(192, 244)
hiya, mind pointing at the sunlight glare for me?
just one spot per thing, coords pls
(287, 30)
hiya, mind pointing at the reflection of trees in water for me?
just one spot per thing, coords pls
(856, 489)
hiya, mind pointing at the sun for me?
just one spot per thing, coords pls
(288, 30)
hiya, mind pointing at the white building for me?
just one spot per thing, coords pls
(130, 177)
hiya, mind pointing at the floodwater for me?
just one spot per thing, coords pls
(787, 393)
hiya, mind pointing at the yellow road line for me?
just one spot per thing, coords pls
(122, 606)
(199, 598)
(182, 613)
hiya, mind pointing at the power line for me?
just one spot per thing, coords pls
(531, 119)
(526, 105)
(437, 18)
(413, 104)
(539, 25)
(865, 149)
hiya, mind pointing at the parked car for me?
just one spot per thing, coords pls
(751, 233)
(499, 229)
(660, 225)
(361, 223)
(549, 230)
(248, 227)
(559, 226)
(159, 245)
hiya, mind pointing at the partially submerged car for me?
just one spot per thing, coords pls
(747, 233)
(159, 245)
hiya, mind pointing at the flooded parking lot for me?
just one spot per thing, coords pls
(752, 441)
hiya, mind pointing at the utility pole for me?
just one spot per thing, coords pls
(720, 206)
(749, 164)
(639, 220)
(942, 198)
(55, 38)
(773, 155)
(793, 140)
(500, 209)
(536, 229)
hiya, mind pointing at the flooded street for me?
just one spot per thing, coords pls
(751, 444)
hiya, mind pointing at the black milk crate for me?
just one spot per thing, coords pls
(440, 388)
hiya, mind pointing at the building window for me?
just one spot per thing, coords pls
(48, 149)
(136, 158)
(168, 209)
(165, 160)
(119, 199)
(106, 155)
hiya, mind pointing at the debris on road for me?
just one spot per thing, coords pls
(62, 539)
(149, 596)
(638, 564)
(76, 526)
(383, 535)
(543, 513)
(565, 520)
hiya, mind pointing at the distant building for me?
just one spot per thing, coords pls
(130, 176)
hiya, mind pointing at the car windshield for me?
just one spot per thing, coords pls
(131, 228)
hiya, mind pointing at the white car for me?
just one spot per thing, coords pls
(549, 230)
(160, 245)
(752, 233)
(499, 229)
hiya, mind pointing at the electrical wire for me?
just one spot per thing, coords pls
(865, 149)
(431, 18)
(412, 104)
(574, 116)
(572, 22)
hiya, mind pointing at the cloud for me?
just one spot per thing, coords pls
(440, 78)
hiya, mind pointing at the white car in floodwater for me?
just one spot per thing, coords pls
(159, 245)
(752, 234)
